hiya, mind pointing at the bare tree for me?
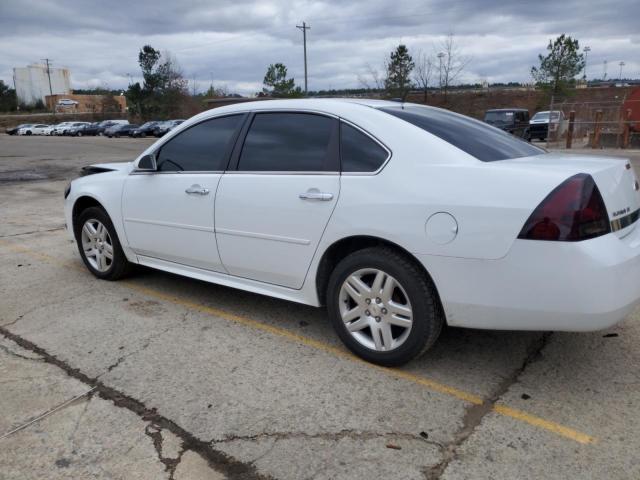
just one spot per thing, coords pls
(372, 80)
(423, 72)
(451, 63)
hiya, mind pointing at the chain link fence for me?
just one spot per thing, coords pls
(595, 125)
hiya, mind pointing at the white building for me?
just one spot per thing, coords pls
(32, 83)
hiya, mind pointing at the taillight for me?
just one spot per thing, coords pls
(573, 211)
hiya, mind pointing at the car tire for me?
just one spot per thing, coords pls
(411, 295)
(143, 135)
(79, 134)
(95, 233)
(28, 132)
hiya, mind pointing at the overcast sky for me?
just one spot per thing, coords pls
(234, 42)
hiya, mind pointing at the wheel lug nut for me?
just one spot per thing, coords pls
(384, 311)
(378, 319)
(367, 313)
(368, 300)
(378, 300)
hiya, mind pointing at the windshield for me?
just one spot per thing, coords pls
(496, 117)
(476, 138)
(545, 116)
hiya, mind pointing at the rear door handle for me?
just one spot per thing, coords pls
(197, 190)
(314, 194)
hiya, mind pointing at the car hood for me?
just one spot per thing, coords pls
(115, 166)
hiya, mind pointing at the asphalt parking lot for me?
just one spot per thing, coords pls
(159, 376)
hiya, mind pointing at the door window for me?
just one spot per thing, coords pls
(288, 142)
(359, 152)
(201, 148)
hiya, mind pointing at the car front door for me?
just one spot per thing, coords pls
(168, 214)
(274, 202)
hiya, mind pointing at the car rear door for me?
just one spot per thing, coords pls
(274, 202)
(168, 214)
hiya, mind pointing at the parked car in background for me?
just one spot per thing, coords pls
(145, 129)
(14, 130)
(163, 127)
(49, 130)
(354, 204)
(36, 129)
(544, 124)
(66, 102)
(512, 120)
(105, 124)
(120, 130)
(73, 129)
(90, 129)
(60, 128)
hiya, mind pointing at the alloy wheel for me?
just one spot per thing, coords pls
(375, 309)
(97, 245)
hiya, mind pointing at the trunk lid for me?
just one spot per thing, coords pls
(614, 177)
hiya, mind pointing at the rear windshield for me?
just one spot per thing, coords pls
(498, 117)
(545, 116)
(478, 139)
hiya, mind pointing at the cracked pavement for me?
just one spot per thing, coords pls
(179, 379)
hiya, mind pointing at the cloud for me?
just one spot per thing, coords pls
(234, 42)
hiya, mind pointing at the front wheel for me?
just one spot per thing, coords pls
(99, 245)
(383, 306)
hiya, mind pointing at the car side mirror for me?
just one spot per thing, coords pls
(147, 163)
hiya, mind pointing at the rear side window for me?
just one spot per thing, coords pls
(201, 148)
(359, 152)
(478, 139)
(286, 142)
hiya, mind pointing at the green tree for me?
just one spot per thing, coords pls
(163, 90)
(277, 84)
(8, 100)
(557, 70)
(399, 68)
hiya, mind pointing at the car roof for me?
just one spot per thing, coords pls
(507, 110)
(329, 105)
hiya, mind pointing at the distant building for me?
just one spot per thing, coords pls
(32, 83)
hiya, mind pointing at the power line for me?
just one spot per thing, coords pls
(304, 29)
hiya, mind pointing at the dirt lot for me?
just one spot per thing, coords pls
(159, 376)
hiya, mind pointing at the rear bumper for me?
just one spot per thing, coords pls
(581, 286)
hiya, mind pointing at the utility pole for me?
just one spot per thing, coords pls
(47, 61)
(304, 29)
(622, 64)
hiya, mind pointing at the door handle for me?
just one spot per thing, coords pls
(197, 190)
(314, 194)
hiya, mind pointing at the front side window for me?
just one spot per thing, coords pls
(359, 152)
(201, 148)
(287, 142)
(476, 138)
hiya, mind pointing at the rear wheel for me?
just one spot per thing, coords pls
(383, 307)
(99, 245)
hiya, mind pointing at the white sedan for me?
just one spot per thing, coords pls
(398, 217)
(36, 129)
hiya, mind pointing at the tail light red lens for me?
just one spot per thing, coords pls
(573, 211)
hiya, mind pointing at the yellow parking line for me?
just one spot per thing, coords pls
(430, 384)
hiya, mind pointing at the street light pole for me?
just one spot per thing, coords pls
(440, 57)
(622, 64)
(587, 49)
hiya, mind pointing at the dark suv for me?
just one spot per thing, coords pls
(512, 120)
